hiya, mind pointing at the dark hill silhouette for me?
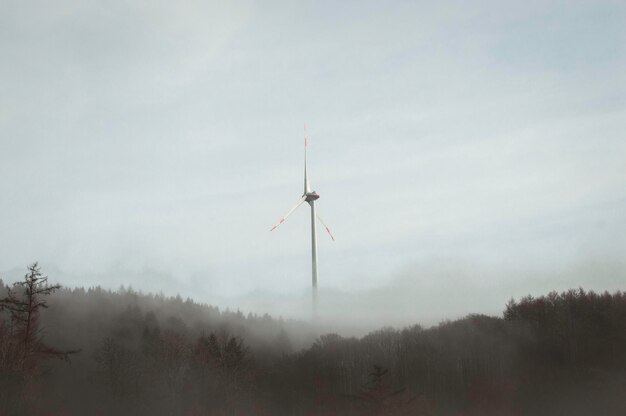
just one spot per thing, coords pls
(143, 354)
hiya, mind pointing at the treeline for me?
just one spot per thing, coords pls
(560, 354)
(123, 353)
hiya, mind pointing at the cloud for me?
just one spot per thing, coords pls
(156, 136)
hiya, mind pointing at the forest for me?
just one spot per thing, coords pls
(76, 351)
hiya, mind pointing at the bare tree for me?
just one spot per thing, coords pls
(22, 350)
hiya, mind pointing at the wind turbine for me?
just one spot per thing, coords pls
(310, 197)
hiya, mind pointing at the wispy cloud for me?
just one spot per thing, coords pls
(152, 136)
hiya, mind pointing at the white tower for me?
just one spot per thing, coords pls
(309, 196)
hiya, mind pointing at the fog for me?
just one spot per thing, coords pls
(427, 293)
(431, 293)
(70, 351)
(470, 160)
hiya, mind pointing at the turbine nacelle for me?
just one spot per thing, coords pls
(311, 196)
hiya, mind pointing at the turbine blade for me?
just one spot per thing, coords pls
(282, 220)
(325, 226)
(307, 185)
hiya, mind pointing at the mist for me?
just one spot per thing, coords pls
(468, 158)
(158, 144)
(127, 352)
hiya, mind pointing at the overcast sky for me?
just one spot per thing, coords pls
(476, 147)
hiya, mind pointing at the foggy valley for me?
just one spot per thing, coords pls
(79, 351)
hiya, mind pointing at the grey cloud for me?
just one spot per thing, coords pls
(154, 136)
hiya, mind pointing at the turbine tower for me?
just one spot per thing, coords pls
(310, 197)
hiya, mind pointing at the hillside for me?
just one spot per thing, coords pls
(95, 351)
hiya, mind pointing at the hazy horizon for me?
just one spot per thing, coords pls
(451, 292)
